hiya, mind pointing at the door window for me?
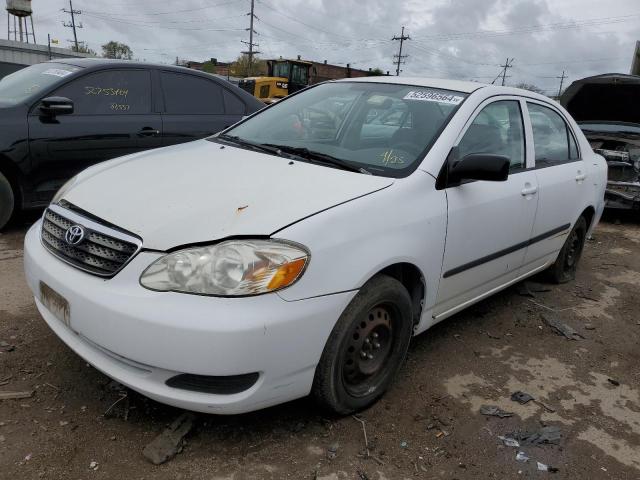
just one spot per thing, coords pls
(191, 95)
(497, 130)
(552, 139)
(110, 92)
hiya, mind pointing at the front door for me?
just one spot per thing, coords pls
(489, 223)
(112, 117)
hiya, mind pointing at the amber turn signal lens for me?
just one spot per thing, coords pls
(287, 274)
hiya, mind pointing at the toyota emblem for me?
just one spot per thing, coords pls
(74, 235)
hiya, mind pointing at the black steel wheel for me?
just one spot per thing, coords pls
(7, 201)
(564, 268)
(366, 347)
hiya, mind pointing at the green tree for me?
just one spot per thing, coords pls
(117, 50)
(240, 68)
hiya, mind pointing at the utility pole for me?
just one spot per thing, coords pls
(73, 25)
(507, 64)
(399, 58)
(251, 52)
(561, 78)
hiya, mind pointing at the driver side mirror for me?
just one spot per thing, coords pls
(52, 106)
(475, 166)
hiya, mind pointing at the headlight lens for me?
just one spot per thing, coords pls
(232, 268)
(64, 189)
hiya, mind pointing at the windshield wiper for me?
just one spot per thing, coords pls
(318, 157)
(254, 146)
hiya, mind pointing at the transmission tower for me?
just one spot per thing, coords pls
(562, 79)
(507, 64)
(251, 52)
(399, 58)
(73, 25)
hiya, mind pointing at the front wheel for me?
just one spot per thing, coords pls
(564, 268)
(7, 201)
(366, 347)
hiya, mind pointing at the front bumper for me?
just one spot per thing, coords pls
(142, 338)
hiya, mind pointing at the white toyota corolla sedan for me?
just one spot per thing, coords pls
(300, 250)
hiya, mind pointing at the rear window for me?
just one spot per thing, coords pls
(191, 95)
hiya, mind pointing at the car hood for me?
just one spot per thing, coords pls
(204, 191)
(612, 97)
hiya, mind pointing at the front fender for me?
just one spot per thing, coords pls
(405, 223)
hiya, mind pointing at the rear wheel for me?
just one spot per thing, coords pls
(366, 347)
(564, 269)
(7, 201)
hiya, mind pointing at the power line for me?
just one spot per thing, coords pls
(399, 57)
(73, 25)
(535, 28)
(164, 27)
(170, 12)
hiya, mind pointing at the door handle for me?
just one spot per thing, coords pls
(580, 176)
(148, 131)
(529, 191)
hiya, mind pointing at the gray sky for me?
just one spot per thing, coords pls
(463, 39)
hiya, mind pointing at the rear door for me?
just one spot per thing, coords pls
(489, 223)
(562, 178)
(112, 117)
(196, 107)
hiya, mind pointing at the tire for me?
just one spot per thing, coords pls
(564, 268)
(7, 201)
(366, 347)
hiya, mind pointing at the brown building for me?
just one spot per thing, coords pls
(213, 66)
(323, 71)
(319, 71)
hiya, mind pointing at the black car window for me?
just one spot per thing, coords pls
(232, 104)
(550, 135)
(189, 94)
(110, 92)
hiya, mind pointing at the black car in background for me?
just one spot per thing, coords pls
(57, 118)
(607, 108)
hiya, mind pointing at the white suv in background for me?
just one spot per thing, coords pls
(300, 250)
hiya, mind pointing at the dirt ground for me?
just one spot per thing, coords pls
(428, 426)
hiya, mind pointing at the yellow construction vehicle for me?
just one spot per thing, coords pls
(284, 77)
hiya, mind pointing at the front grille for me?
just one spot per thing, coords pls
(103, 251)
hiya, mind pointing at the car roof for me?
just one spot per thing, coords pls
(455, 85)
(101, 62)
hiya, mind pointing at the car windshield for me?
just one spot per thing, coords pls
(20, 85)
(378, 128)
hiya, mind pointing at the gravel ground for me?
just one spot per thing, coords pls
(428, 426)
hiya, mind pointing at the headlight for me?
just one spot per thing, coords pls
(64, 189)
(231, 268)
